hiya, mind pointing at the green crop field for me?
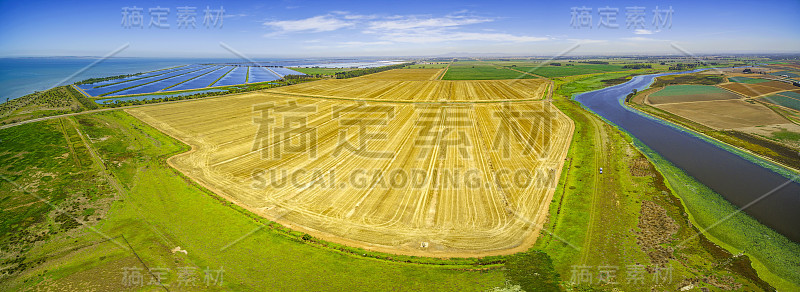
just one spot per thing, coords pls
(747, 80)
(564, 70)
(792, 94)
(675, 90)
(783, 101)
(482, 71)
(787, 73)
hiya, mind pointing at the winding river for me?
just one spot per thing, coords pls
(738, 180)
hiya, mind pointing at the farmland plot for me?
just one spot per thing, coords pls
(689, 93)
(437, 179)
(438, 90)
(725, 114)
(404, 74)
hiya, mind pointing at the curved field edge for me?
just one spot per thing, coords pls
(277, 228)
(182, 213)
(483, 258)
(629, 181)
(771, 252)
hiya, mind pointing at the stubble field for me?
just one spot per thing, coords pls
(417, 85)
(432, 179)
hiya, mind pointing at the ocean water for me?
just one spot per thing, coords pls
(21, 76)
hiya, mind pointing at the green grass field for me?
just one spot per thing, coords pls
(675, 90)
(481, 71)
(564, 70)
(567, 86)
(747, 80)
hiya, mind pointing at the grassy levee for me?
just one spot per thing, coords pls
(161, 209)
(603, 215)
(773, 256)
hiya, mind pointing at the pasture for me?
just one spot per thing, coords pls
(469, 195)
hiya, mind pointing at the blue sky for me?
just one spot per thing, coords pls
(397, 28)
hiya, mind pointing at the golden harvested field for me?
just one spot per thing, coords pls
(404, 74)
(436, 90)
(436, 179)
(725, 114)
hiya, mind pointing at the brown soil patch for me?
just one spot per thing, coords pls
(655, 229)
(751, 90)
(640, 167)
(779, 85)
(725, 114)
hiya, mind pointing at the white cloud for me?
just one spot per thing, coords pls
(427, 29)
(412, 22)
(360, 44)
(643, 31)
(588, 41)
(432, 36)
(320, 23)
(640, 39)
(401, 28)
